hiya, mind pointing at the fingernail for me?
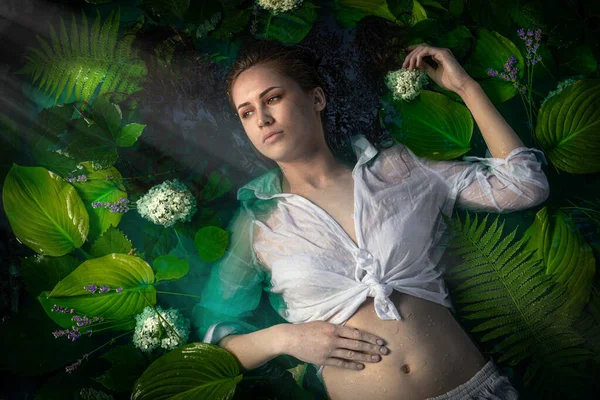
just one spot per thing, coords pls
(380, 342)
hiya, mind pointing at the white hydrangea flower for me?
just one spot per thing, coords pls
(405, 84)
(151, 331)
(167, 203)
(279, 6)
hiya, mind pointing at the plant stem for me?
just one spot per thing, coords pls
(110, 341)
(179, 294)
(111, 327)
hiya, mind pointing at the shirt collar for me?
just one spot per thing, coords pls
(268, 185)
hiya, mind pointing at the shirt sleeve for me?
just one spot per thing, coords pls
(500, 185)
(234, 287)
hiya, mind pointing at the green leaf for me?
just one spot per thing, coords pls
(349, 12)
(567, 127)
(169, 267)
(44, 211)
(56, 162)
(492, 50)
(290, 27)
(89, 142)
(211, 243)
(158, 241)
(566, 255)
(98, 188)
(217, 185)
(431, 125)
(193, 371)
(111, 241)
(129, 134)
(121, 376)
(94, 61)
(108, 116)
(131, 273)
(41, 273)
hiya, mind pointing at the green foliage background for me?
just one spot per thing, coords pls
(95, 81)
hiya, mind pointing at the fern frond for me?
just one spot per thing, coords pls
(502, 284)
(85, 60)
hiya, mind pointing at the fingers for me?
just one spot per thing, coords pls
(355, 355)
(357, 345)
(353, 333)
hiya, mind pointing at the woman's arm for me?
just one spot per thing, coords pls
(500, 138)
(257, 348)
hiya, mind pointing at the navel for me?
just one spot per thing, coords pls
(405, 368)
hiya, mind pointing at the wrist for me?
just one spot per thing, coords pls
(282, 338)
(470, 86)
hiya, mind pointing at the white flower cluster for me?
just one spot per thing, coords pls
(208, 25)
(152, 332)
(279, 6)
(405, 84)
(167, 203)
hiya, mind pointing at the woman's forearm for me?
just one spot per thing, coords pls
(500, 138)
(257, 348)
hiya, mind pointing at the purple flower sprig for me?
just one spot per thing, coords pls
(510, 72)
(76, 364)
(64, 310)
(121, 205)
(92, 288)
(532, 57)
(80, 178)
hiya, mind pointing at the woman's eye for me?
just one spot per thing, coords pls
(244, 114)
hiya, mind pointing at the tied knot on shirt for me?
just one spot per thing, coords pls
(379, 290)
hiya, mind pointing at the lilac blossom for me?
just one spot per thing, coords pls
(74, 366)
(104, 289)
(80, 178)
(120, 205)
(64, 310)
(91, 288)
(119, 289)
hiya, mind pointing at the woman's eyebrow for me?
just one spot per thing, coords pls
(259, 96)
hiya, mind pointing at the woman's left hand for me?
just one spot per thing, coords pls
(449, 74)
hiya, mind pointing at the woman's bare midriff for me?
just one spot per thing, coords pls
(430, 354)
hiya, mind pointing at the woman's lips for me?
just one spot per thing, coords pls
(273, 138)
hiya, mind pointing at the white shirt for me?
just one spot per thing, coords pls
(311, 268)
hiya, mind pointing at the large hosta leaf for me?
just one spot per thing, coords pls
(44, 211)
(432, 125)
(290, 27)
(193, 371)
(99, 188)
(492, 50)
(131, 273)
(567, 127)
(567, 257)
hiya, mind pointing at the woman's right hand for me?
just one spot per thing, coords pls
(323, 343)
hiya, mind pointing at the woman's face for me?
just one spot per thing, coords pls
(268, 101)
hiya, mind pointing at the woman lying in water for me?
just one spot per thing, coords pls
(348, 255)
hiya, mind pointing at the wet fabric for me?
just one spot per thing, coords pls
(487, 384)
(310, 269)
